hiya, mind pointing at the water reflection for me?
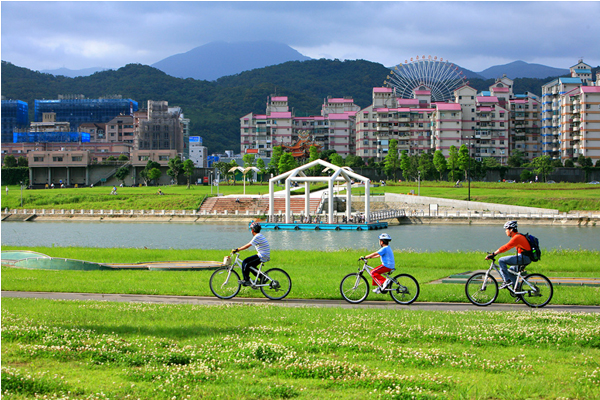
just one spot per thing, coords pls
(420, 238)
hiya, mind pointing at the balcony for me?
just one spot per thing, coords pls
(577, 137)
(383, 129)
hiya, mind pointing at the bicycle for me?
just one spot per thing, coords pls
(535, 290)
(354, 287)
(275, 283)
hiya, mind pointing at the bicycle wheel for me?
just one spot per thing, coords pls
(279, 282)
(224, 283)
(354, 288)
(539, 290)
(404, 289)
(481, 291)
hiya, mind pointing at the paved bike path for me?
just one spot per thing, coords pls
(200, 300)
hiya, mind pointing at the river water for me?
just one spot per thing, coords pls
(419, 238)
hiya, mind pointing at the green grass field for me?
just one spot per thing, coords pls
(314, 274)
(562, 196)
(102, 350)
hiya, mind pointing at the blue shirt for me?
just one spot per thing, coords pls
(387, 257)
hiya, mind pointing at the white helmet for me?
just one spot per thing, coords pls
(510, 225)
(385, 236)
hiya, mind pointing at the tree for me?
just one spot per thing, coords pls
(391, 161)
(222, 168)
(515, 159)
(464, 160)
(491, 163)
(569, 163)
(22, 162)
(154, 175)
(123, 157)
(232, 164)
(526, 175)
(439, 162)
(260, 164)
(286, 163)
(122, 173)
(248, 160)
(425, 165)
(144, 174)
(275, 156)
(336, 159)
(175, 166)
(354, 161)
(405, 165)
(452, 162)
(543, 166)
(10, 161)
(188, 170)
(584, 161)
(314, 154)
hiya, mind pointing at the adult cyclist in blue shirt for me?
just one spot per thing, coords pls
(387, 262)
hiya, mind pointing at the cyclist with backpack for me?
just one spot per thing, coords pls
(387, 262)
(523, 256)
(262, 249)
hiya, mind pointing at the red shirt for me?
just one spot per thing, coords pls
(519, 241)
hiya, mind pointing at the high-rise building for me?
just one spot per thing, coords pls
(571, 115)
(14, 117)
(78, 110)
(158, 128)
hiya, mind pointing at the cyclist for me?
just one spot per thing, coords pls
(521, 258)
(387, 262)
(262, 249)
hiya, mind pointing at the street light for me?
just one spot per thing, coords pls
(419, 184)
(21, 194)
(469, 172)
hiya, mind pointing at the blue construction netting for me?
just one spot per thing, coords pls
(47, 137)
(78, 111)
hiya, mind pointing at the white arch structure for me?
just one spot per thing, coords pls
(341, 174)
(244, 171)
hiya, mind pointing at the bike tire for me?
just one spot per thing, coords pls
(354, 288)
(279, 282)
(481, 292)
(539, 290)
(404, 289)
(225, 284)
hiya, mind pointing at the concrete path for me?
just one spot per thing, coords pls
(198, 300)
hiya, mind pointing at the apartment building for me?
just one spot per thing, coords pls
(571, 115)
(157, 128)
(333, 129)
(405, 120)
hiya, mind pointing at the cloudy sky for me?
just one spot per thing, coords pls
(474, 35)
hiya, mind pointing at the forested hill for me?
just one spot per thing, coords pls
(214, 108)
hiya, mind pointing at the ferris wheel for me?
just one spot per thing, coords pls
(439, 76)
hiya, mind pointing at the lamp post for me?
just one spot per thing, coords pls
(419, 184)
(21, 194)
(210, 179)
(469, 172)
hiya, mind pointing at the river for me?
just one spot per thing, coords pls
(419, 238)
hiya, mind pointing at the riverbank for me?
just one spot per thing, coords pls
(413, 216)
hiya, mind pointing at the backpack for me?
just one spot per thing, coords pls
(535, 254)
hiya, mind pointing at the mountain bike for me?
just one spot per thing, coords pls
(275, 283)
(354, 287)
(535, 290)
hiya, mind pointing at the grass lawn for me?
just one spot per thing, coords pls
(103, 350)
(314, 274)
(562, 196)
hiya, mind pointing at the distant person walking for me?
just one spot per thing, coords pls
(7, 190)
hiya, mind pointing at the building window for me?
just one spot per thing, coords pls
(77, 158)
(57, 159)
(163, 158)
(38, 159)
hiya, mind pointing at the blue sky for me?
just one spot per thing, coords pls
(474, 35)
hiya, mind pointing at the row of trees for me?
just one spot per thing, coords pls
(426, 166)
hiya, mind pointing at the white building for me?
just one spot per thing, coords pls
(197, 152)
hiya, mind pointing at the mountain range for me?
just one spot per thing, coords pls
(218, 59)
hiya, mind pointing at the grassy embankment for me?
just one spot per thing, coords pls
(102, 350)
(315, 274)
(562, 196)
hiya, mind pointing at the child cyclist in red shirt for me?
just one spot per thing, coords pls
(387, 262)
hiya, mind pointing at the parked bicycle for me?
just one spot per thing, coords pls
(535, 290)
(354, 287)
(275, 283)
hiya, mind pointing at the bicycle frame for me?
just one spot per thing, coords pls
(518, 274)
(238, 263)
(366, 267)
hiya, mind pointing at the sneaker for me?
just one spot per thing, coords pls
(506, 285)
(245, 283)
(377, 290)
